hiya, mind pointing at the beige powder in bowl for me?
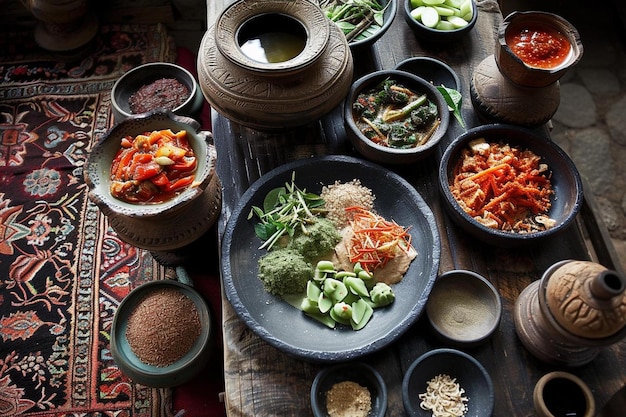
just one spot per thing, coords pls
(163, 327)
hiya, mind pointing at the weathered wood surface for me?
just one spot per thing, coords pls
(262, 381)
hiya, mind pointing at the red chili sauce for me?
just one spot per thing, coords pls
(539, 46)
(152, 167)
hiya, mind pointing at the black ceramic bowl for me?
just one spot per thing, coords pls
(384, 154)
(464, 308)
(176, 373)
(437, 35)
(565, 179)
(145, 74)
(362, 374)
(468, 372)
(388, 16)
(432, 70)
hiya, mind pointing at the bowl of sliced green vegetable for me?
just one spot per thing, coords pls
(440, 20)
(362, 21)
(394, 117)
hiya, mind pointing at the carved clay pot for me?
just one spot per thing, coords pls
(167, 226)
(281, 94)
(63, 25)
(506, 89)
(576, 308)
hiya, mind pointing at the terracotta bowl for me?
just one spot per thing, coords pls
(566, 183)
(163, 226)
(435, 35)
(177, 372)
(516, 70)
(384, 154)
(464, 309)
(133, 80)
(470, 374)
(388, 16)
(358, 372)
(561, 393)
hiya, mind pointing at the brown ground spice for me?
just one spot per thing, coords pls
(339, 196)
(166, 93)
(163, 327)
(348, 399)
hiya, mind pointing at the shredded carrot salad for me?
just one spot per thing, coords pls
(503, 187)
(376, 240)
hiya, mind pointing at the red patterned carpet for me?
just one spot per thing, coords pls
(63, 271)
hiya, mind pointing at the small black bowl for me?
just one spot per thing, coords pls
(388, 16)
(436, 35)
(145, 74)
(565, 179)
(432, 70)
(384, 154)
(470, 374)
(358, 372)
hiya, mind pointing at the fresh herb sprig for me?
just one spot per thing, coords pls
(285, 210)
(358, 19)
(453, 99)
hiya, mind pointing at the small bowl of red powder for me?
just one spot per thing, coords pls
(351, 389)
(156, 86)
(162, 334)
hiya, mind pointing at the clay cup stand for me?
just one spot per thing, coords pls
(504, 89)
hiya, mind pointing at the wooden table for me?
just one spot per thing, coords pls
(262, 381)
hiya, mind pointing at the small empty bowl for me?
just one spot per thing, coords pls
(154, 375)
(432, 70)
(433, 34)
(385, 154)
(463, 308)
(468, 373)
(360, 373)
(144, 75)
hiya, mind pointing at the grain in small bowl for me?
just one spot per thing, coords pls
(464, 308)
(509, 186)
(153, 86)
(440, 20)
(400, 129)
(468, 385)
(162, 334)
(350, 388)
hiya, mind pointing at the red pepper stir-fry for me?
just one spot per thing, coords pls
(152, 167)
(503, 187)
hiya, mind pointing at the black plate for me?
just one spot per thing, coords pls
(286, 327)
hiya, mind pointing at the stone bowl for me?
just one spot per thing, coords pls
(432, 70)
(166, 225)
(566, 183)
(470, 374)
(464, 308)
(436, 35)
(145, 74)
(361, 373)
(384, 154)
(178, 372)
(519, 72)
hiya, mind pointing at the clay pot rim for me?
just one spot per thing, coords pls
(541, 383)
(309, 16)
(555, 21)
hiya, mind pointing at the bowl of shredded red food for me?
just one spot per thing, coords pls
(154, 177)
(507, 185)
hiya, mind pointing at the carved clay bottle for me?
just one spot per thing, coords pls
(576, 308)
(304, 74)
